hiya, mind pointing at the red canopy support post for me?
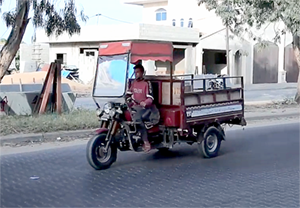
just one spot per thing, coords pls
(171, 83)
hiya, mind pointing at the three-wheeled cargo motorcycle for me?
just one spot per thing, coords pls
(190, 111)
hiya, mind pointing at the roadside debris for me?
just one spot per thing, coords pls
(34, 178)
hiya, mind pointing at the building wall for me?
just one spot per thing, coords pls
(267, 33)
(183, 10)
(125, 32)
(149, 15)
(183, 62)
(203, 20)
(184, 59)
(78, 54)
(33, 56)
(207, 22)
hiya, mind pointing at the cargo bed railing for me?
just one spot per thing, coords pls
(212, 83)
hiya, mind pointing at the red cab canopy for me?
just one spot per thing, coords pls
(140, 50)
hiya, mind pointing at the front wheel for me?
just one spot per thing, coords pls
(211, 143)
(96, 155)
(163, 149)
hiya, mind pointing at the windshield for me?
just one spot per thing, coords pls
(111, 76)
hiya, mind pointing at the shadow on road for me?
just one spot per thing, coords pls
(156, 159)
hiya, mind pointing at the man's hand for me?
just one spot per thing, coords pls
(143, 104)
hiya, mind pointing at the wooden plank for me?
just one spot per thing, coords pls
(54, 90)
(58, 92)
(40, 97)
(46, 94)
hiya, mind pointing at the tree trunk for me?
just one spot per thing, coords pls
(12, 45)
(296, 46)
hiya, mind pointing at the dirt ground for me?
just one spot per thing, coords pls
(39, 77)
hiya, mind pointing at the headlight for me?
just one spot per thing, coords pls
(112, 112)
(107, 107)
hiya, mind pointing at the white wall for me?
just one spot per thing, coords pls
(184, 62)
(267, 33)
(86, 65)
(149, 15)
(125, 32)
(182, 10)
(204, 20)
(208, 22)
(32, 55)
(179, 9)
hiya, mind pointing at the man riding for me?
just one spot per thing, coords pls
(147, 115)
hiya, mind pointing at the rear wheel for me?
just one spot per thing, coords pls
(96, 155)
(210, 145)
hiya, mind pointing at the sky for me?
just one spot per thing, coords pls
(114, 9)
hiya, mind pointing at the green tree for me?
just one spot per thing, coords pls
(2, 40)
(242, 16)
(45, 15)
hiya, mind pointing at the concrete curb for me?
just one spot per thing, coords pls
(263, 116)
(264, 102)
(79, 134)
(275, 86)
(42, 137)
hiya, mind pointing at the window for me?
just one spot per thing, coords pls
(190, 23)
(90, 53)
(161, 15)
(174, 22)
(181, 22)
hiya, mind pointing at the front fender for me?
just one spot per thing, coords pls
(101, 130)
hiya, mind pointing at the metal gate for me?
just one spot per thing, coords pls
(290, 64)
(265, 64)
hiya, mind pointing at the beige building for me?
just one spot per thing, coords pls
(82, 50)
(199, 39)
(274, 64)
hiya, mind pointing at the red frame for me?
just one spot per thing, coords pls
(173, 116)
(139, 50)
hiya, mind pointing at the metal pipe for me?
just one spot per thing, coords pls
(171, 83)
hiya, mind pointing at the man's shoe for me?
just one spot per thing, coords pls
(147, 146)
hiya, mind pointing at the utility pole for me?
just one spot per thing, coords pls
(227, 49)
(227, 39)
(97, 15)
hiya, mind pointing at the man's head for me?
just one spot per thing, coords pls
(139, 71)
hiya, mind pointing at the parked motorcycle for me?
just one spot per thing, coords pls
(71, 72)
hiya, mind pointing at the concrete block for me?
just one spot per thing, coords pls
(21, 98)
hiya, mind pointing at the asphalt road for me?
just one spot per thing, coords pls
(257, 167)
(250, 95)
